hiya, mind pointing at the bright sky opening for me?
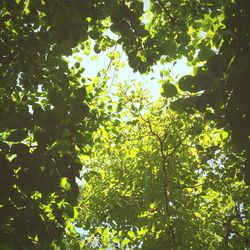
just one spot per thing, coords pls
(94, 63)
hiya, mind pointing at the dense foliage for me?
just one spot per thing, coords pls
(161, 180)
(49, 113)
(222, 83)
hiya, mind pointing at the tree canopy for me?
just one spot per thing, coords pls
(148, 160)
(162, 180)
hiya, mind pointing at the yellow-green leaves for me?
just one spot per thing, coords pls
(105, 236)
(64, 184)
(125, 242)
(131, 234)
(152, 175)
(153, 169)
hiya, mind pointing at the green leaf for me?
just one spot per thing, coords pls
(178, 105)
(70, 211)
(125, 242)
(61, 146)
(205, 53)
(91, 174)
(169, 90)
(131, 234)
(97, 49)
(105, 236)
(64, 184)
(17, 135)
(185, 83)
(115, 239)
(94, 34)
(199, 82)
